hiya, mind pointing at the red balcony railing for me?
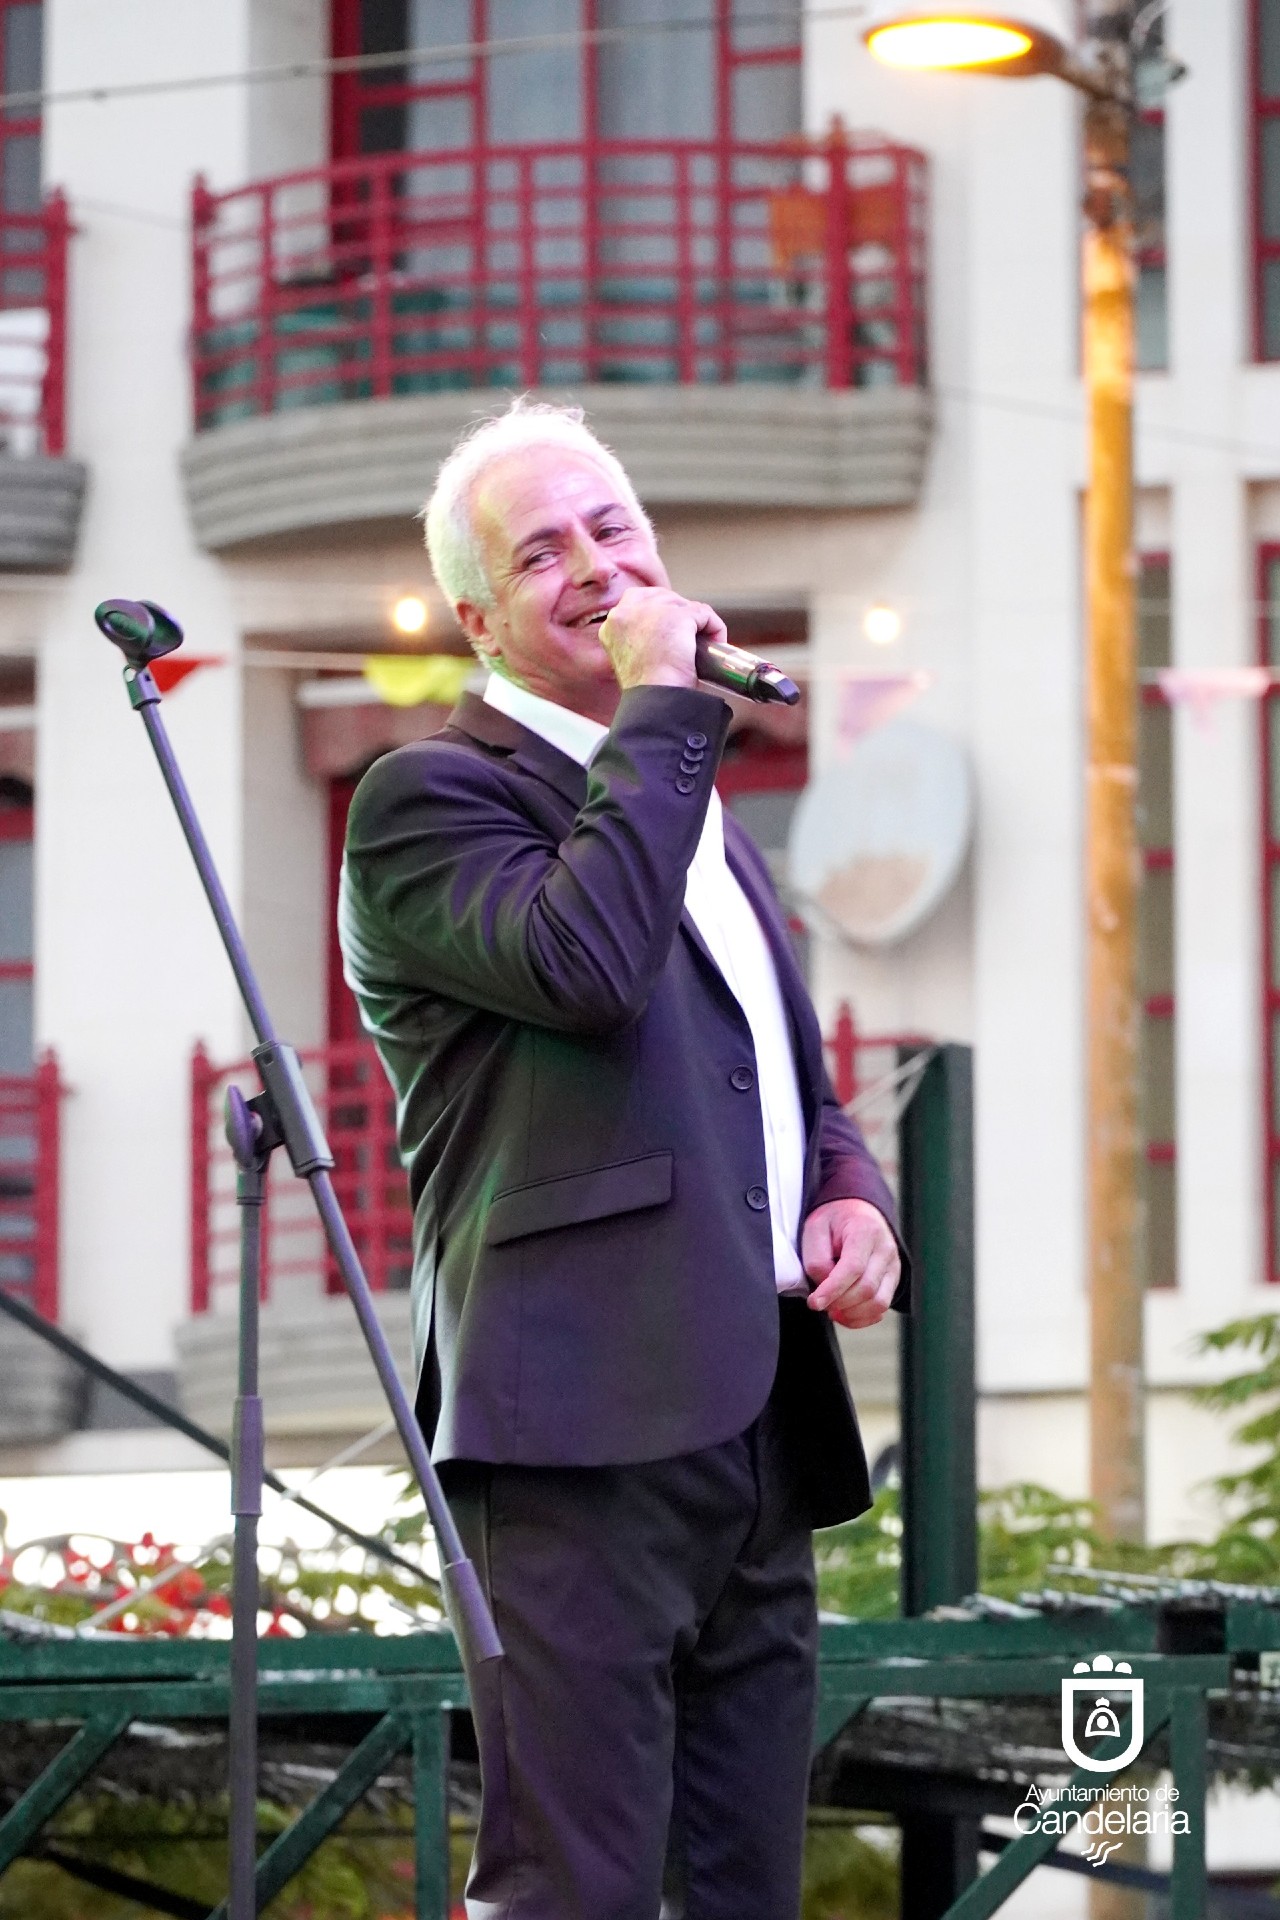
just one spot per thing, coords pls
(356, 1105)
(29, 1121)
(797, 263)
(33, 329)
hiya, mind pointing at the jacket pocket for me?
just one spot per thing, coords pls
(573, 1198)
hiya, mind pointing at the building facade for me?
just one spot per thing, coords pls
(828, 314)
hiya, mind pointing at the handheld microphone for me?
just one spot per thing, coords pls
(751, 678)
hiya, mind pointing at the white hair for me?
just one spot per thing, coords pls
(452, 541)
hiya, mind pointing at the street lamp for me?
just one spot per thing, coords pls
(1029, 40)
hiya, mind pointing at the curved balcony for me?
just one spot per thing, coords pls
(745, 323)
(41, 490)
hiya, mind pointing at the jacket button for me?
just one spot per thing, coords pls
(688, 766)
(743, 1079)
(696, 740)
(757, 1198)
(684, 784)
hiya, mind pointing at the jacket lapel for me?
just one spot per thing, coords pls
(496, 730)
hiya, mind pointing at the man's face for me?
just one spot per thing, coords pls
(560, 547)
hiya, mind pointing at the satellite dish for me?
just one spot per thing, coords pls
(878, 839)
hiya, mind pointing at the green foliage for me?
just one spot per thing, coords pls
(846, 1875)
(859, 1563)
(1248, 1547)
(1027, 1535)
(365, 1872)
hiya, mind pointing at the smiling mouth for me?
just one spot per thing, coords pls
(596, 619)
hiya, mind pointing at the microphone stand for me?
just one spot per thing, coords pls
(282, 1113)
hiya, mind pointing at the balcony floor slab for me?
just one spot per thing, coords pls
(730, 446)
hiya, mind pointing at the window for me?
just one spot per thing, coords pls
(1270, 705)
(1156, 1063)
(21, 71)
(17, 1047)
(1147, 171)
(1265, 71)
(672, 77)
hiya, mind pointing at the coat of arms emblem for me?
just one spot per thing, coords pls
(1115, 1693)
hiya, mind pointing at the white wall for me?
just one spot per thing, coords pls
(129, 972)
(286, 893)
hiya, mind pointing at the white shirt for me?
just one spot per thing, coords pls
(726, 920)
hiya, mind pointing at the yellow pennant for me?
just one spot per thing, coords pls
(409, 679)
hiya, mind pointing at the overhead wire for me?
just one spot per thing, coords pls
(330, 65)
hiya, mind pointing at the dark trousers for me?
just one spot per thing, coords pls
(656, 1702)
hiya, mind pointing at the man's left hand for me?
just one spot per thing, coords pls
(848, 1249)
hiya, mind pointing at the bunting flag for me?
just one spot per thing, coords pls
(1200, 688)
(173, 669)
(410, 679)
(867, 700)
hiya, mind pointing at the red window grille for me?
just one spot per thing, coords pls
(1269, 625)
(29, 1091)
(1156, 946)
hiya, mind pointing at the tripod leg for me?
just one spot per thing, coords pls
(246, 1503)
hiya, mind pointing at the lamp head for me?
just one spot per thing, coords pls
(1028, 37)
(143, 631)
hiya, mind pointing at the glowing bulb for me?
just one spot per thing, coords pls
(882, 625)
(948, 43)
(409, 614)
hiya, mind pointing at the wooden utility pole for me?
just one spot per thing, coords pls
(1116, 1391)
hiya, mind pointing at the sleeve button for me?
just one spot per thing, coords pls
(743, 1079)
(757, 1198)
(696, 740)
(688, 766)
(684, 784)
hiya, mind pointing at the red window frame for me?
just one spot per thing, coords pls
(343, 1015)
(17, 823)
(1158, 859)
(353, 92)
(26, 121)
(1261, 109)
(1155, 258)
(1269, 556)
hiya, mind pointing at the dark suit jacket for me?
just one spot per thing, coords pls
(593, 1268)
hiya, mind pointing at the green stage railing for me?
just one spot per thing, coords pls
(399, 1692)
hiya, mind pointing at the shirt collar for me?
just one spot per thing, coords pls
(573, 733)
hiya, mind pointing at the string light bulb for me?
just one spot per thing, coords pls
(409, 615)
(882, 624)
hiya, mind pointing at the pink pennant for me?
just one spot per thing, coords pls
(1200, 688)
(867, 700)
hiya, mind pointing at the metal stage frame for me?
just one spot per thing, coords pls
(398, 1693)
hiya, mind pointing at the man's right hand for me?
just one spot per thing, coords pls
(650, 636)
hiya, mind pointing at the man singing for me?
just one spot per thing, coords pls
(638, 1207)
